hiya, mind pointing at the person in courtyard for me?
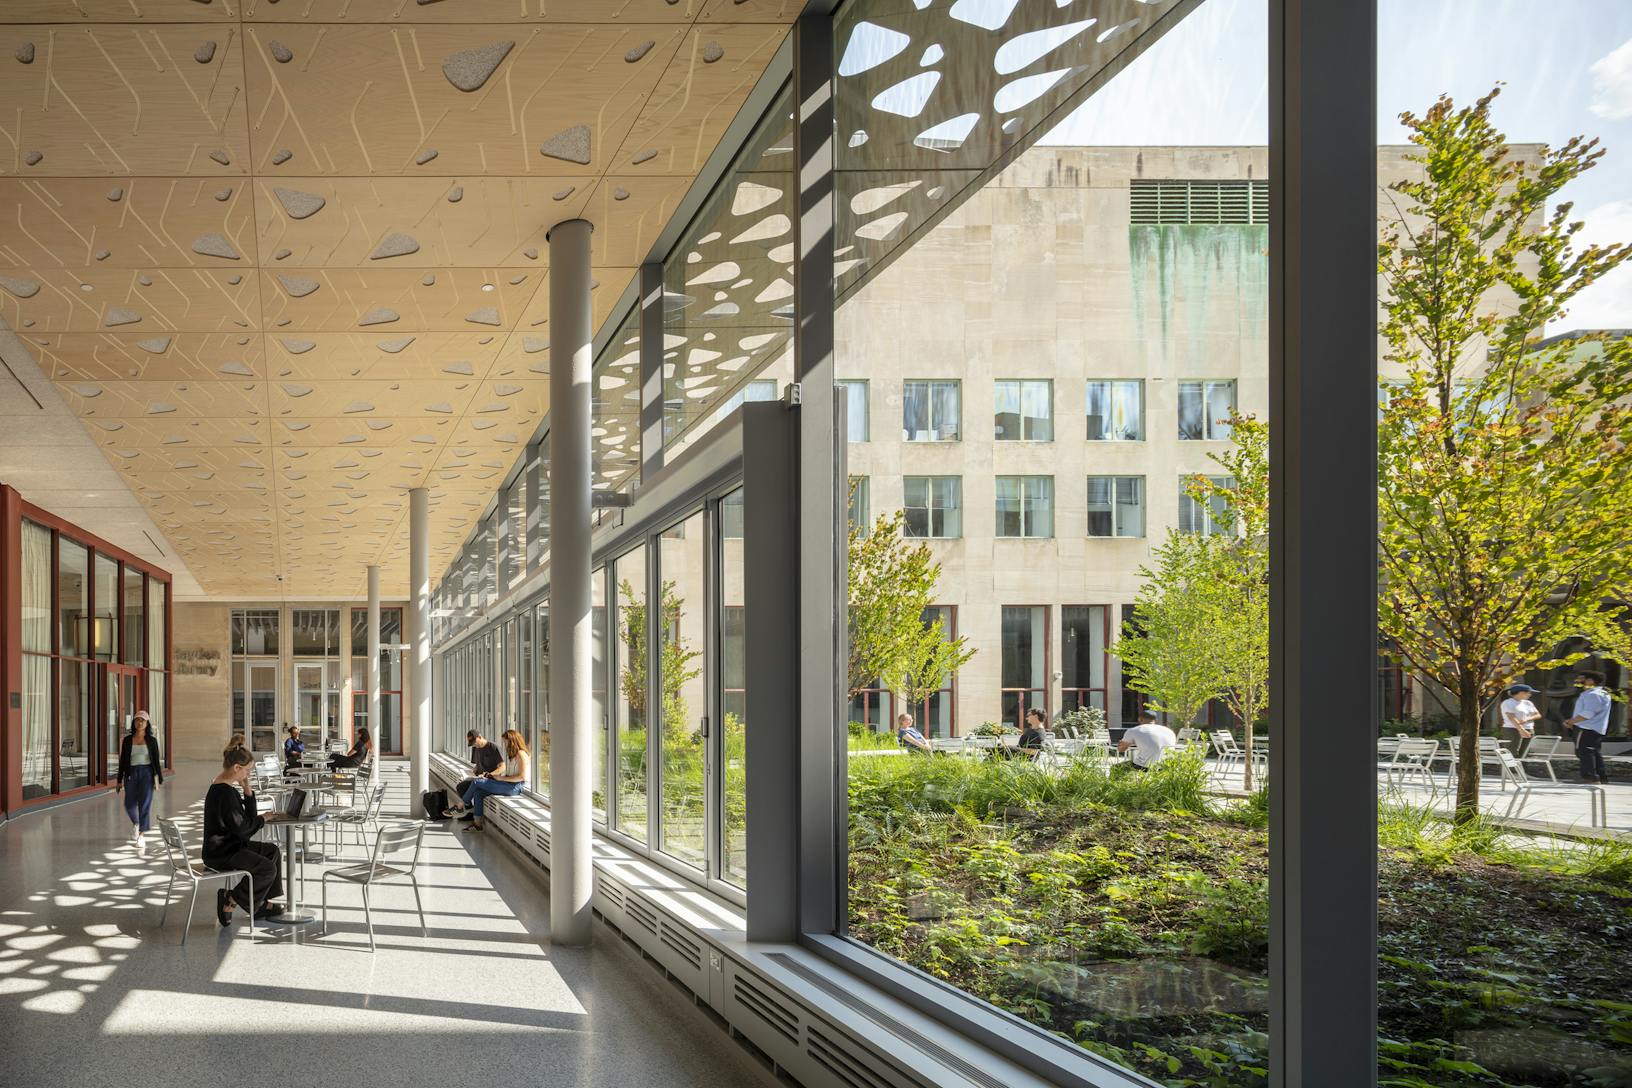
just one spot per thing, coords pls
(140, 773)
(908, 737)
(508, 781)
(1590, 722)
(485, 758)
(230, 823)
(1519, 717)
(358, 752)
(1033, 735)
(293, 748)
(1147, 743)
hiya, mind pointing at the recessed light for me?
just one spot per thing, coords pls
(487, 287)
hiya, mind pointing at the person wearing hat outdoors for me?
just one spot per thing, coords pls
(141, 770)
(1519, 714)
(1591, 722)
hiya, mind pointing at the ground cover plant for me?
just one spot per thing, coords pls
(1129, 913)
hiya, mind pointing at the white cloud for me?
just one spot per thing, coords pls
(1607, 304)
(1612, 84)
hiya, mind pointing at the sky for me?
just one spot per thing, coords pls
(1566, 66)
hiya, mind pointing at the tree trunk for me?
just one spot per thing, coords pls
(1468, 766)
(1246, 741)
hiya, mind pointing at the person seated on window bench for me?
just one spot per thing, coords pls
(508, 781)
(1034, 734)
(485, 757)
(293, 748)
(230, 823)
(908, 737)
(360, 748)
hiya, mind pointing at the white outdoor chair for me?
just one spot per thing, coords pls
(1228, 753)
(1513, 771)
(1544, 750)
(390, 843)
(1411, 760)
(196, 873)
(1490, 749)
(364, 813)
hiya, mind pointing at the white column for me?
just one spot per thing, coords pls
(572, 730)
(374, 666)
(419, 653)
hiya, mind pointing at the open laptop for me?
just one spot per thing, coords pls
(293, 807)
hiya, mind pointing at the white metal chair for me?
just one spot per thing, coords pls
(1543, 750)
(1513, 771)
(383, 864)
(364, 812)
(1490, 749)
(196, 873)
(1411, 759)
(1228, 754)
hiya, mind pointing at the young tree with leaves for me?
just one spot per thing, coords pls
(892, 584)
(675, 660)
(1238, 623)
(1505, 466)
(1166, 649)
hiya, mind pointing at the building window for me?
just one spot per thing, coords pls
(1025, 662)
(1025, 506)
(731, 516)
(1023, 411)
(1133, 700)
(860, 505)
(873, 707)
(936, 713)
(1116, 411)
(1116, 506)
(930, 411)
(760, 389)
(388, 733)
(1212, 517)
(933, 506)
(1204, 410)
(854, 395)
(1178, 200)
(1082, 655)
(255, 632)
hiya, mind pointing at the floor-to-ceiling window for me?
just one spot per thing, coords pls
(388, 734)
(632, 708)
(254, 648)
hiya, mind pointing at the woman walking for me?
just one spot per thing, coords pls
(141, 770)
(507, 781)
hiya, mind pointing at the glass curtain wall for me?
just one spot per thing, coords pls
(388, 735)
(682, 625)
(731, 595)
(94, 651)
(1127, 915)
(1502, 182)
(632, 711)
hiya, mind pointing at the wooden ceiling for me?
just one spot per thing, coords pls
(286, 258)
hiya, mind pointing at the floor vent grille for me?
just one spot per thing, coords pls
(758, 1000)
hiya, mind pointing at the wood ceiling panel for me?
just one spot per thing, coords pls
(121, 222)
(375, 100)
(473, 222)
(81, 356)
(111, 100)
(202, 202)
(150, 301)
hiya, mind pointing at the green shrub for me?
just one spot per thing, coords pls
(1230, 918)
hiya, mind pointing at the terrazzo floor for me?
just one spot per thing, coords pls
(94, 991)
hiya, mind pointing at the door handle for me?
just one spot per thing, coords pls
(705, 727)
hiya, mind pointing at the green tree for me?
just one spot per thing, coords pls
(891, 584)
(1166, 649)
(1237, 624)
(676, 658)
(1503, 463)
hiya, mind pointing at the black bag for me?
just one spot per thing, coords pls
(435, 802)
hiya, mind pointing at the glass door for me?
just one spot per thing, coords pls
(120, 701)
(317, 703)
(262, 709)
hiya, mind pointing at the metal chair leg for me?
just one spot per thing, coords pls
(368, 916)
(190, 905)
(251, 878)
(165, 913)
(325, 927)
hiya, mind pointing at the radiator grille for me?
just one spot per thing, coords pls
(844, 1065)
(757, 999)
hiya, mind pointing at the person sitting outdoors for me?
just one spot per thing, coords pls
(230, 823)
(508, 781)
(293, 748)
(1033, 735)
(1150, 742)
(908, 737)
(485, 758)
(360, 748)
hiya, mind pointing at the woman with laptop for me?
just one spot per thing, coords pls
(231, 819)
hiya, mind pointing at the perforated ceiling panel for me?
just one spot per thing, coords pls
(287, 259)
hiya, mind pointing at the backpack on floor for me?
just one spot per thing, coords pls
(434, 802)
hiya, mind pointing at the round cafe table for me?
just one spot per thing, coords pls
(291, 879)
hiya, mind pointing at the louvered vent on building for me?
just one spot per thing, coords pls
(1182, 201)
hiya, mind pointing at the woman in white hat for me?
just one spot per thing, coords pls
(141, 770)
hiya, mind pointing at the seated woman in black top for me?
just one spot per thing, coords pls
(230, 823)
(1035, 733)
(359, 752)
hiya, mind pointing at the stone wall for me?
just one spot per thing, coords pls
(201, 706)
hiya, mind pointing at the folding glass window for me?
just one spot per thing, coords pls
(1023, 410)
(1116, 506)
(931, 411)
(933, 506)
(633, 702)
